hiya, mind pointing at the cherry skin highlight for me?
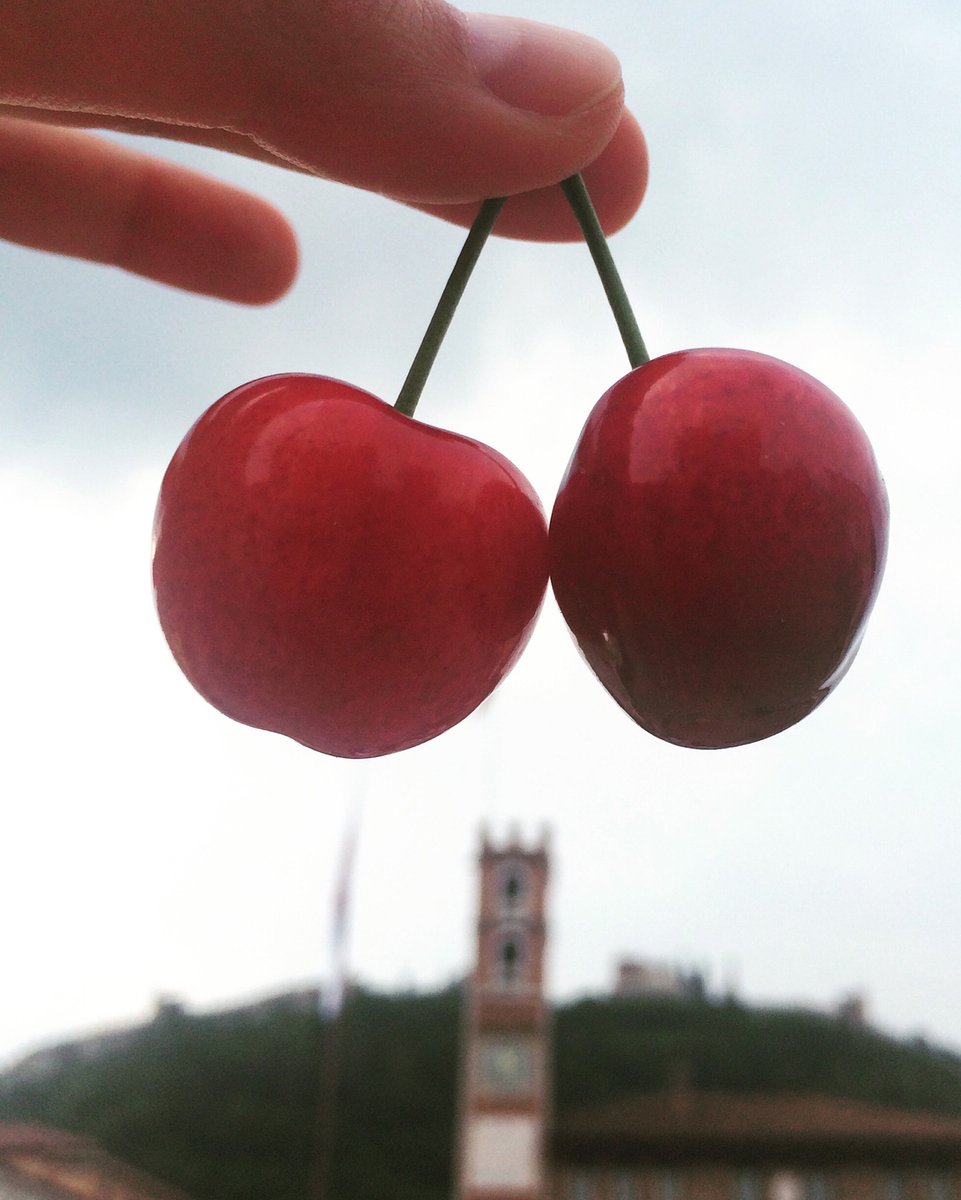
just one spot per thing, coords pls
(717, 544)
(329, 569)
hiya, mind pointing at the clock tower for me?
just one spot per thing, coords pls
(504, 1070)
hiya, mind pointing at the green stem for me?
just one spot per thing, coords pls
(580, 202)
(427, 351)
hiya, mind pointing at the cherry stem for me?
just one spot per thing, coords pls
(577, 195)
(413, 385)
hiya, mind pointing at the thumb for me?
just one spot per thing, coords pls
(411, 98)
(416, 100)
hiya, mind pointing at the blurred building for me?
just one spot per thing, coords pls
(37, 1163)
(853, 1009)
(681, 1144)
(690, 1145)
(638, 979)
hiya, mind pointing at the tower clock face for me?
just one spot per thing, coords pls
(507, 1065)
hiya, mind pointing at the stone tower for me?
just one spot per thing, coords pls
(504, 1070)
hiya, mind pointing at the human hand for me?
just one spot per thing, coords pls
(408, 98)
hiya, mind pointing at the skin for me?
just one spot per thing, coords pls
(408, 98)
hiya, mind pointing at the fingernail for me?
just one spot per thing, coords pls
(540, 68)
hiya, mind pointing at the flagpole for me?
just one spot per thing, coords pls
(332, 1001)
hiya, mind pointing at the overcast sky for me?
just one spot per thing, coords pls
(804, 199)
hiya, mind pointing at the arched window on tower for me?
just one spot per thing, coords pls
(510, 961)
(513, 888)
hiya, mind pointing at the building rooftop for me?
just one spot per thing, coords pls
(684, 1123)
(41, 1163)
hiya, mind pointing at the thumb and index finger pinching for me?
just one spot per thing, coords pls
(409, 98)
(440, 109)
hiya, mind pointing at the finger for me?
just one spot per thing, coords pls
(615, 184)
(411, 99)
(215, 139)
(73, 193)
(617, 180)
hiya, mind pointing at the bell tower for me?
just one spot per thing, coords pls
(504, 1068)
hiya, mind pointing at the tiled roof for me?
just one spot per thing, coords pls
(16, 1186)
(689, 1124)
(17, 1138)
(45, 1161)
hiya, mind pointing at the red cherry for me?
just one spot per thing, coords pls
(718, 543)
(330, 569)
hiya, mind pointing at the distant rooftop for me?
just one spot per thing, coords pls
(683, 1123)
(41, 1163)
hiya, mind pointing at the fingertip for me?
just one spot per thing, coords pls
(68, 192)
(269, 262)
(541, 68)
(616, 180)
(202, 236)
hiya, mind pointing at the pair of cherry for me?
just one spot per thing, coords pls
(328, 567)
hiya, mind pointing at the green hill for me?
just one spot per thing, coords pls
(225, 1105)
